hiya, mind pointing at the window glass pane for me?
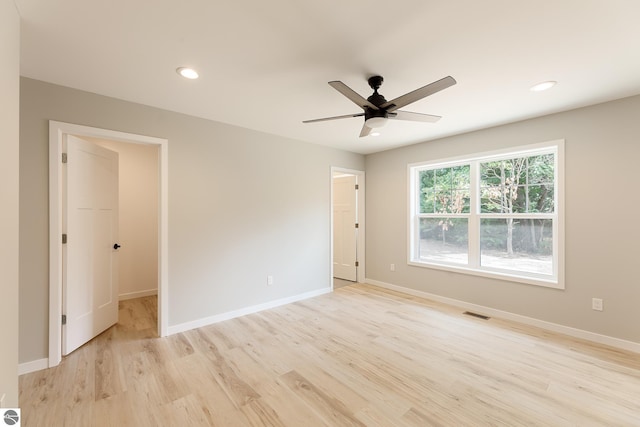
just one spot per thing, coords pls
(517, 185)
(445, 190)
(460, 201)
(444, 240)
(490, 173)
(428, 201)
(541, 169)
(427, 193)
(540, 198)
(455, 202)
(442, 200)
(443, 179)
(491, 199)
(517, 244)
(500, 185)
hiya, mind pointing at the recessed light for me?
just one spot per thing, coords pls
(543, 86)
(187, 73)
(375, 134)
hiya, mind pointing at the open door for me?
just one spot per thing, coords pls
(90, 255)
(345, 231)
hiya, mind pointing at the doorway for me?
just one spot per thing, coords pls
(347, 225)
(138, 217)
(58, 132)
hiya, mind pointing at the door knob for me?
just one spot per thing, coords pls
(116, 246)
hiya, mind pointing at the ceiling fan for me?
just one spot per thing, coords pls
(377, 109)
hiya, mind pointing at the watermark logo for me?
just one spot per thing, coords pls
(11, 417)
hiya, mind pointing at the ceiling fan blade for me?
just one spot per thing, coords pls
(352, 95)
(366, 130)
(414, 117)
(346, 116)
(418, 94)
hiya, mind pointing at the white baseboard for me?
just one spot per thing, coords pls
(182, 327)
(33, 366)
(137, 294)
(554, 327)
(38, 365)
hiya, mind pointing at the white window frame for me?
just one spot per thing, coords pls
(555, 280)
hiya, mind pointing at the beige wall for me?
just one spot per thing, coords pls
(242, 205)
(602, 233)
(9, 125)
(138, 217)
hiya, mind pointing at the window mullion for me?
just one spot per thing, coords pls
(474, 218)
(414, 209)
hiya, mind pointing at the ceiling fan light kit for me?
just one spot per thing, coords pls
(377, 110)
(376, 122)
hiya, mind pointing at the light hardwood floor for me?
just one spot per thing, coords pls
(340, 283)
(359, 356)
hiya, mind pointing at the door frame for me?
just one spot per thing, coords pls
(360, 242)
(57, 134)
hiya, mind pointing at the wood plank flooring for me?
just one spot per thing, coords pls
(360, 356)
(339, 283)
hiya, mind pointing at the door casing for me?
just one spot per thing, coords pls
(57, 134)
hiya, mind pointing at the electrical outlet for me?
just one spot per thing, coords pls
(597, 304)
(269, 280)
(393, 267)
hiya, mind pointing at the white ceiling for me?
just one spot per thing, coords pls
(265, 65)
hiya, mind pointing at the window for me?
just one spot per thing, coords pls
(494, 214)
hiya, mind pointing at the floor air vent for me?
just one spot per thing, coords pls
(479, 316)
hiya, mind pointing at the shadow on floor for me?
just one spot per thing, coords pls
(339, 283)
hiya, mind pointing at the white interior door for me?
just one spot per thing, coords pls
(344, 227)
(90, 279)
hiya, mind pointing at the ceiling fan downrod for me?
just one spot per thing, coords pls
(376, 99)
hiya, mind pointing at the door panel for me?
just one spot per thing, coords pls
(90, 287)
(103, 247)
(344, 231)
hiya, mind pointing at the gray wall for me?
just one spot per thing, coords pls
(601, 157)
(9, 125)
(242, 205)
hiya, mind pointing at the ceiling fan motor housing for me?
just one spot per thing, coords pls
(376, 99)
(370, 113)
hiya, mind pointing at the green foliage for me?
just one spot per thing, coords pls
(520, 185)
(445, 190)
